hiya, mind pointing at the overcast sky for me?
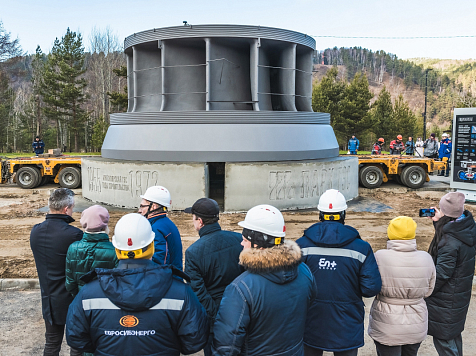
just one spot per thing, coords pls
(40, 22)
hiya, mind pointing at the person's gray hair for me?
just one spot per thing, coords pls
(61, 198)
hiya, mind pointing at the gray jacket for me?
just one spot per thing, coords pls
(431, 147)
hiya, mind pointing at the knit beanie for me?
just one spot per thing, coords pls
(401, 228)
(452, 204)
(94, 218)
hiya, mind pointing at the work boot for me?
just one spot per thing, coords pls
(441, 174)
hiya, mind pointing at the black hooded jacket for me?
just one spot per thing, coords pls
(449, 302)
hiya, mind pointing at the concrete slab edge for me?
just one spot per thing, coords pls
(19, 284)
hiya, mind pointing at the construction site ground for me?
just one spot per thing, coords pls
(21, 324)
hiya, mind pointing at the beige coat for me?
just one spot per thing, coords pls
(399, 315)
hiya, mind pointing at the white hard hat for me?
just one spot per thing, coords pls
(132, 232)
(444, 135)
(159, 195)
(332, 201)
(265, 219)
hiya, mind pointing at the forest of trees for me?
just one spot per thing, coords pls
(65, 96)
(446, 90)
(351, 111)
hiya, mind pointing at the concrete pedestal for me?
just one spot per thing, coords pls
(286, 185)
(290, 184)
(120, 183)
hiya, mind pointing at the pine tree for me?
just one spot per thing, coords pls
(62, 86)
(117, 98)
(327, 95)
(355, 107)
(405, 120)
(38, 69)
(70, 68)
(382, 113)
(50, 89)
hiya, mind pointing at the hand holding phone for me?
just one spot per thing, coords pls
(430, 212)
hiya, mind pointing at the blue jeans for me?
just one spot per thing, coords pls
(453, 347)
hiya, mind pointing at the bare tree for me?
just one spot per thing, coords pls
(106, 55)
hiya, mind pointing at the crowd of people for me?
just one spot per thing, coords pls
(254, 293)
(431, 148)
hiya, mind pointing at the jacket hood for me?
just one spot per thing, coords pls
(331, 234)
(463, 230)
(137, 288)
(402, 245)
(277, 264)
(95, 237)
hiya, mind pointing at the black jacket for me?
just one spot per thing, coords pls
(449, 302)
(263, 311)
(49, 242)
(212, 264)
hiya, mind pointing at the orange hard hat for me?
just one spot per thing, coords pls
(399, 137)
(381, 139)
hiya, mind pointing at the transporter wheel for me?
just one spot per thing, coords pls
(45, 180)
(28, 177)
(70, 177)
(414, 177)
(371, 177)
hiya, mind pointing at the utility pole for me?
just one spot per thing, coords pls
(424, 113)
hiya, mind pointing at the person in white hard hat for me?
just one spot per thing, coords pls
(263, 311)
(168, 244)
(346, 269)
(138, 308)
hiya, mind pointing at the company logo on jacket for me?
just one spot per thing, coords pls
(129, 321)
(325, 264)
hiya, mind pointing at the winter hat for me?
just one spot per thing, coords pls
(401, 228)
(452, 204)
(433, 135)
(94, 218)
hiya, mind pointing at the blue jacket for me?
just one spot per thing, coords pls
(263, 311)
(38, 147)
(137, 309)
(445, 148)
(167, 243)
(353, 144)
(409, 147)
(345, 268)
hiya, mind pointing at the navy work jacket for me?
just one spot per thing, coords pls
(345, 269)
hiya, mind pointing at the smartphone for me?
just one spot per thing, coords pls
(427, 212)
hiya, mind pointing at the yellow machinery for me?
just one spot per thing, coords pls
(407, 170)
(30, 172)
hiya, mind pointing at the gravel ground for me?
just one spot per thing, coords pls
(22, 328)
